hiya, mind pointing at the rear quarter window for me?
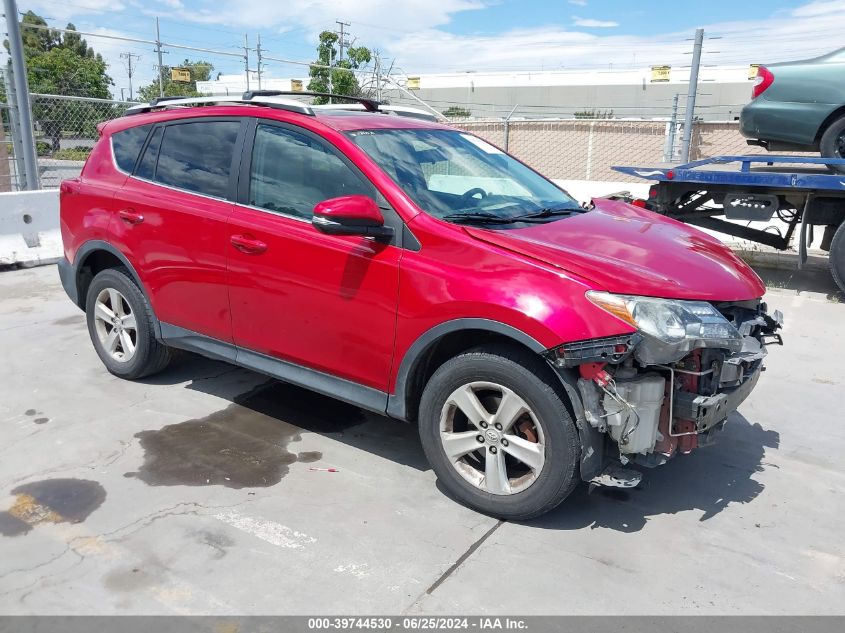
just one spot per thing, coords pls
(127, 145)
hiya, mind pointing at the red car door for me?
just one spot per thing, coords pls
(320, 301)
(171, 218)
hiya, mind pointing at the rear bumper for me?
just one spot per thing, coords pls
(67, 275)
(792, 123)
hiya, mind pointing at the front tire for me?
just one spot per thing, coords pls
(497, 433)
(120, 323)
(832, 143)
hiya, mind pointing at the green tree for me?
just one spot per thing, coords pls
(200, 71)
(340, 79)
(62, 64)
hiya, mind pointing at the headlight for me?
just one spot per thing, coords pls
(675, 327)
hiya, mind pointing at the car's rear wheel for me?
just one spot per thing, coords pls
(832, 144)
(497, 433)
(120, 323)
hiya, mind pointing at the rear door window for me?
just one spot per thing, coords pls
(197, 156)
(127, 145)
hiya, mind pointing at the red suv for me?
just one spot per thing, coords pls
(418, 271)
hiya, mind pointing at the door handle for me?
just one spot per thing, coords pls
(130, 216)
(248, 244)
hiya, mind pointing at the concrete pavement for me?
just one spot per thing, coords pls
(193, 492)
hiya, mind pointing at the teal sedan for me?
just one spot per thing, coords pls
(799, 107)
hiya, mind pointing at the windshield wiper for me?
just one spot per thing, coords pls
(548, 213)
(480, 218)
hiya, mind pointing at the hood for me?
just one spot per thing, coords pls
(628, 250)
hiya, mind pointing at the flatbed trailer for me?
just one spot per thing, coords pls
(717, 193)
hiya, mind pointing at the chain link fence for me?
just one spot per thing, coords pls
(65, 132)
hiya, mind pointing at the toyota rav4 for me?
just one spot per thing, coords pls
(417, 271)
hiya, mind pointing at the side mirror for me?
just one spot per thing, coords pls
(351, 215)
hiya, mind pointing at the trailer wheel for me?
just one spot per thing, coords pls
(832, 144)
(837, 256)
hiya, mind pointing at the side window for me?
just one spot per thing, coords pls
(127, 145)
(197, 156)
(147, 166)
(291, 172)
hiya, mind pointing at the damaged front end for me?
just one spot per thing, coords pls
(666, 388)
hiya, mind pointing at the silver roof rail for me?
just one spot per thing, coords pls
(162, 103)
(406, 111)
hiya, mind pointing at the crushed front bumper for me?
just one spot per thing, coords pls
(705, 412)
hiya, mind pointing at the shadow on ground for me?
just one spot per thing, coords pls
(259, 412)
(270, 412)
(708, 480)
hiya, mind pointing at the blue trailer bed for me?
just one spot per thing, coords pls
(720, 192)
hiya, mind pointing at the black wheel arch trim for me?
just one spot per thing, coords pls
(82, 254)
(592, 457)
(397, 406)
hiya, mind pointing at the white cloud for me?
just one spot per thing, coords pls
(820, 7)
(578, 3)
(594, 24)
(61, 13)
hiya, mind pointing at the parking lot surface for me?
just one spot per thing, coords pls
(206, 490)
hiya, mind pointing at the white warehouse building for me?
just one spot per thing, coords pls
(643, 93)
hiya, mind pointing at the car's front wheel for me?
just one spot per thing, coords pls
(497, 433)
(120, 322)
(832, 144)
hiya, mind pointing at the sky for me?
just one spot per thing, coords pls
(430, 36)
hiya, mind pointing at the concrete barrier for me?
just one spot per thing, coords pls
(29, 228)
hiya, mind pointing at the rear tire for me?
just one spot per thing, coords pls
(836, 257)
(832, 144)
(121, 326)
(526, 460)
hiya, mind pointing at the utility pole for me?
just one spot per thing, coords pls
(128, 57)
(342, 41)
(246, 58)
(669, 147)
(258, 55)
(160, 66)
(693, 89)
(21, 85)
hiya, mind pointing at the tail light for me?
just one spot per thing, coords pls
(762, 81)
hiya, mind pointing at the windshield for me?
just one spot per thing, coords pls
(459, 177)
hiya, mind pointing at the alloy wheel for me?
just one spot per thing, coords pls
(492, 438)
(115, 325)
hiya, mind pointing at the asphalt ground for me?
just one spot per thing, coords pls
(204, 490)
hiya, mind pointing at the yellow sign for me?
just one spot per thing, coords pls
(413, 83)
(660, 73)
(752, 71)
(296, 85)
(180, 74)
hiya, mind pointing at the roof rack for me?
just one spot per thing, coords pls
(268, 98)
(405, 111)
(269, 101)
(370, 105)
